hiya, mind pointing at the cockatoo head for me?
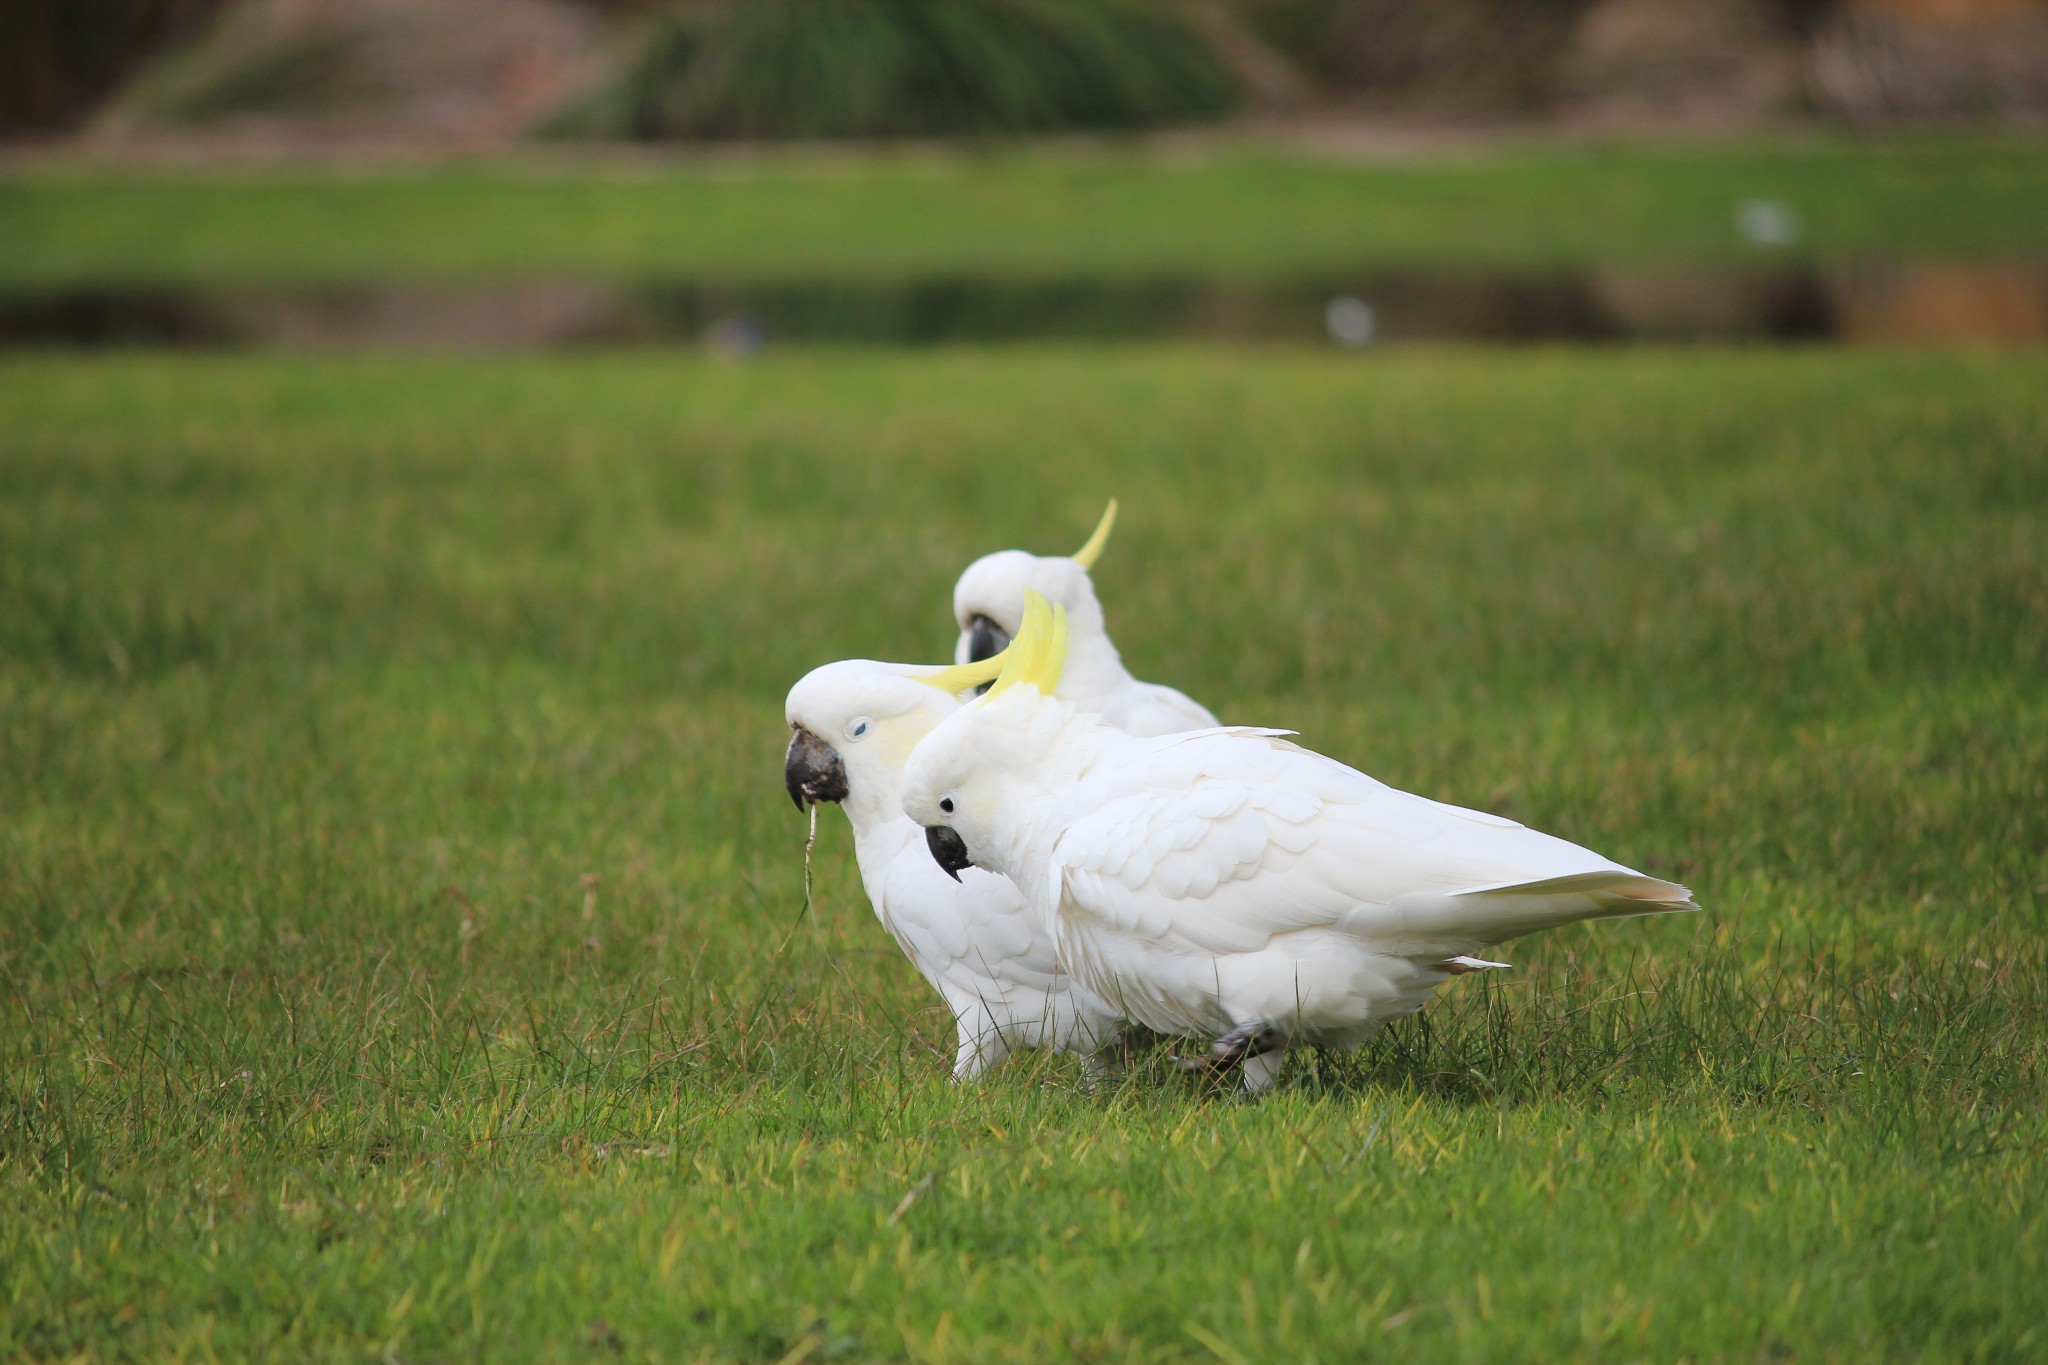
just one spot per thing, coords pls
(988, 601)
(853, 725)
(963, 779)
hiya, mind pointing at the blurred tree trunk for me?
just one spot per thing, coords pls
(1272, 81)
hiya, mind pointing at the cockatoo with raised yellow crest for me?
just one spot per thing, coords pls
(853, 724)
(988, 603)
(1230, 884)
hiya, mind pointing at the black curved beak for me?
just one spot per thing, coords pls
(949, 850)
(985, 639)
(812, 770)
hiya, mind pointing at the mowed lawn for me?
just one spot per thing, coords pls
(1212, 209)
(402, 923)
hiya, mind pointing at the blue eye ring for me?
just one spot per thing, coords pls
(857, 727)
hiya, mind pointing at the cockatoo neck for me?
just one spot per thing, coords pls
(1094, 671)
(1048, 744)
(881, 840)
(874, 796)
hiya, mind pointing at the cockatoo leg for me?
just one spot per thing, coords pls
(1104, 1062)
(1261, 1071)
(982, 1045)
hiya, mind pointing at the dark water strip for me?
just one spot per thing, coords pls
(2000, 302)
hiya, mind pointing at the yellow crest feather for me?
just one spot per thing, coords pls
(1092, 551)
(960, 677)
(1039, 653)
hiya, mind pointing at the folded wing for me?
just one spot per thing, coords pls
(1228, 838)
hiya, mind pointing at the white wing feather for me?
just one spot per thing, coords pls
(1200, 862)
(1154, 709)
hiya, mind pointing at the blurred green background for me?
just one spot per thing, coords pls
(433, 437)
(465, 70)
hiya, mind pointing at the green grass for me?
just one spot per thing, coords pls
(400, 950)
(1230, 212)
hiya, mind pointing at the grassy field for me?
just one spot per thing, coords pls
(1229, 211)
(401, 919)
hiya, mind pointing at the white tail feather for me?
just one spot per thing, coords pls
(1462, 964)
(1454, 922)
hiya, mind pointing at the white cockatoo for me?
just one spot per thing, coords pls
(1229, 884)
(988, 603)
(853, 724)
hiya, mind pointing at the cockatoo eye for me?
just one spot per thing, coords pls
(946, 804)
(857, 727)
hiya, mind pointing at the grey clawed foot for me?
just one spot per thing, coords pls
(1252, 1038)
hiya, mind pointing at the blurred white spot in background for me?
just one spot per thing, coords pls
(1350, 321)
(738, 336)
(1766, 222)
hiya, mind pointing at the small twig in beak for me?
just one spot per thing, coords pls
(810, 842)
